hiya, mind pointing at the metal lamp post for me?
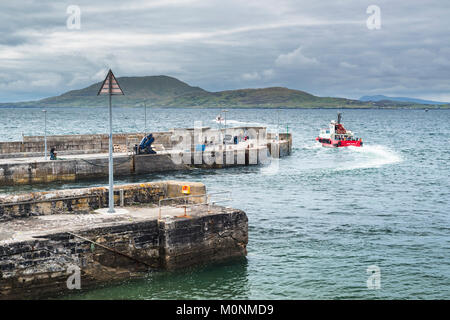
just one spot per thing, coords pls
(225, 118)
(110, 87)
(45, 133)
(278, 124)
(145, 119)
(111, 160)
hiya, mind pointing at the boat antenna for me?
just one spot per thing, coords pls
(339, 117)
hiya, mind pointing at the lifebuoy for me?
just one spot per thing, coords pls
(186, 189)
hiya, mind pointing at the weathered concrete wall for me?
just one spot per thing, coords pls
(38, 268)
(178, 144)
(41, 153)
(143, 164)
(31, 172)
(12, 147)
(99, 143)
(36, 254)
(198, 135)
(79, 201)
(76, 169)
(206, 239)
(279, 148)
(80, 143)
(207, 159)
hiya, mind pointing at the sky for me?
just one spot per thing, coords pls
(339, 48)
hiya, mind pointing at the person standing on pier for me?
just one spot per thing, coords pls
(53, 154)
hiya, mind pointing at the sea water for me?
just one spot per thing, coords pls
(318, 219)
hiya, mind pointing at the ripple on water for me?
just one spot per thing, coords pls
(318, 221)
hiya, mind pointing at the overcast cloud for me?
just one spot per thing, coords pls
(322, 47)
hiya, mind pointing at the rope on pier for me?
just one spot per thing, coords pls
(116, 163)
(110, 249)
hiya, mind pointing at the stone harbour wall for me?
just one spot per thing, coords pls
(37, 262)
(33, 146)
(280, 148)
(207, 239)
(40, 268)
(79, 201)
(80, 143)
(77, 169)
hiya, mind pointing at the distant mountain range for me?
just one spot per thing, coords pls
(164, 91)
(378, 98)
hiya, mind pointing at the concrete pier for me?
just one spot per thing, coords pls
(21, 171)
(48, 238)
(83, 157)
(280, 145)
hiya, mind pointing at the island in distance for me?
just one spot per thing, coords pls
(165, 91)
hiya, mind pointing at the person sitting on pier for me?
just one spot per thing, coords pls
(53, 154)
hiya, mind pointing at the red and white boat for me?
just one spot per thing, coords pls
(336, 136)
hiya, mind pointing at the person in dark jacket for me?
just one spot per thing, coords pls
(53, 154)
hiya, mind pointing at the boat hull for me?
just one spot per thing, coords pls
(339, 143)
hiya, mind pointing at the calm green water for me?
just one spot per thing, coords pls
(318, 218)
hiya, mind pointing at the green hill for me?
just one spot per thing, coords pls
(151, 89)
(266, 97)
(164, 91)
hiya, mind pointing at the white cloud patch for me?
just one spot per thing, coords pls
(269, 73)
(220, 45)
(45, 79)
(251, 76)
(264, 75)
(295, 58)
(347, 65)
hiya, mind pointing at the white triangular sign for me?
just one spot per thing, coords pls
(110, 85)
